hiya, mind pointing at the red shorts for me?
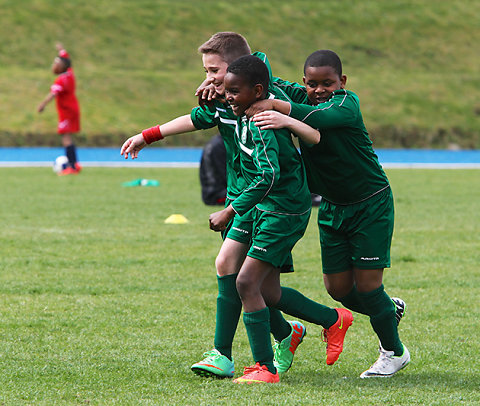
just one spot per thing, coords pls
(69, 125)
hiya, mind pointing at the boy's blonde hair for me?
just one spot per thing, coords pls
(228, 45)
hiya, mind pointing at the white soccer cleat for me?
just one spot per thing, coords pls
(387, 364)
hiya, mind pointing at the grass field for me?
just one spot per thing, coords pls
(102, 303)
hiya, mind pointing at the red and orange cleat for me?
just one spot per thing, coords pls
(335, 335)
(257, 374)
(71, 171)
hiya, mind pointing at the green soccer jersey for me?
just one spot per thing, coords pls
(220, 115)
(342, 167)
(272, 169)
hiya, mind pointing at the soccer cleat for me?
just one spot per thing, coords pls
(400, 308)
(68, 171)
(214, 365)
(257, 374)
(335, 335)
(78, 167)
(387, 364)
(285, 350)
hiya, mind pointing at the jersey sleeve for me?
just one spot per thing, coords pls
(294, 91)
(203, 119)
(341, 110)
(58, 86)
(264, 157)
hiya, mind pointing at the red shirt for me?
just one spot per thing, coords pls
(67, 103)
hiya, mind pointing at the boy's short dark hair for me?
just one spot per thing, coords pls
(324, 57)
(228, 45)
(66, 62)
(252, 69)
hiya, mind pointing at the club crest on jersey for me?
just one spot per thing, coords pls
(244, 134)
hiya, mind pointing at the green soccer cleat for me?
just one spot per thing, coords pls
(214, 365)
(285, 349)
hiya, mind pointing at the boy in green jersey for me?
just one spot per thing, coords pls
(356, 214)
(221, 49)
(277, 192)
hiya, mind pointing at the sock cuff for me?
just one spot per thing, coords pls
(259, 316)
(227, 277)
(374, 292)
(285, 291)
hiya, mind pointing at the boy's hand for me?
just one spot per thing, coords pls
(271, 119)
(219, 220)
(206, 93)
(41, 107)
(258, 107)
(133, 146)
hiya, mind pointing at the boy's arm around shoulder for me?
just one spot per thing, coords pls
(271, 119)
(342, 110)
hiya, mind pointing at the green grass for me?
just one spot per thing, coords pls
(413, 63)
(102, 303)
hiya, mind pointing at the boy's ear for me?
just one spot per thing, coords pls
(343, 81)
(259, 91)
(304, 81)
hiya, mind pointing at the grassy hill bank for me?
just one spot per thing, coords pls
(413, 63)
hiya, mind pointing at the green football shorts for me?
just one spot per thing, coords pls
(357, 235)
(240, 227)
(275, 235)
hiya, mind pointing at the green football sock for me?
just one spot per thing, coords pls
(229, 307)
(257, 325)
(381, 310)
(353, 302)
(295, 304)
(279, 327)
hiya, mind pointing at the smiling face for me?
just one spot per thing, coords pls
(215, 68)
(240, 94)
(321, 82)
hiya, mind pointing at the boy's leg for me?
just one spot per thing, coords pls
(70, 150)
(379, 307)
(257, 321)
(334, 321)
(229, 306)
(288, 335)
(218, 362)
(382, 312)
(340, 286)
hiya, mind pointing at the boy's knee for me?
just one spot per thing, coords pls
(224, 266)
(338, 290)
(221, 265)
(337, 293)
(244, 285)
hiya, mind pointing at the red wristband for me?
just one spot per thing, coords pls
(152, 134)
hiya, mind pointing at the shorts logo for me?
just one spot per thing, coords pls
(259, 248)
(63, 124)
(240, 230)
(369, 258)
